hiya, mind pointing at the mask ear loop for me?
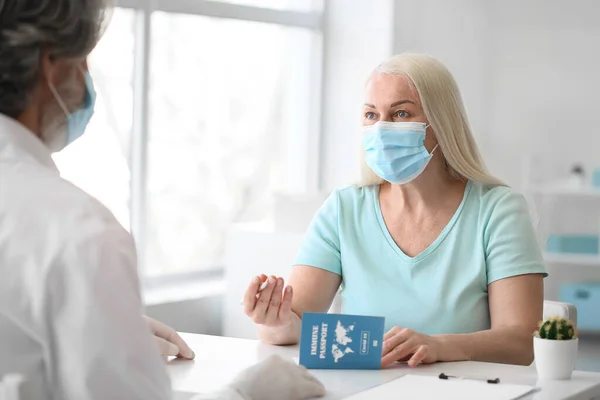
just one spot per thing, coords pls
(436, 146)
(59, 100)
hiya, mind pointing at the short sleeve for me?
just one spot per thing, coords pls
(321, 245)
(511, 242)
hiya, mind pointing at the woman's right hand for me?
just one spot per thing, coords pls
(271, 306)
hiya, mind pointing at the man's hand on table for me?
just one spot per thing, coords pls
(168, 340)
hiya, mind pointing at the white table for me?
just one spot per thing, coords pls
(219, 359)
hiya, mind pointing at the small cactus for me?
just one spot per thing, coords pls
(556, 328)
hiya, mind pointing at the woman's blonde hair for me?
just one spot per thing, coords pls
(445, 111)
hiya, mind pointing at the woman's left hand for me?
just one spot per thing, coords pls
(401, 344)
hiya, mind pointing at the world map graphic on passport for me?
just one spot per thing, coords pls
(340, 348)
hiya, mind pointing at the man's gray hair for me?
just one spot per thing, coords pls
(65, 28)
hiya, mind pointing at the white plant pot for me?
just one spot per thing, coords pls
(554, 359)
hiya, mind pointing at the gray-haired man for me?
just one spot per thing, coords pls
(70, 312)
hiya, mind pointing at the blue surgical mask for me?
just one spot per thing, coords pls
(395, 150)
(78, 120)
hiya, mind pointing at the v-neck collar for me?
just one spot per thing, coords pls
(386, 233)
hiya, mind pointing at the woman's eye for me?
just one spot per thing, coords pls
(370, 115)
(401, 114)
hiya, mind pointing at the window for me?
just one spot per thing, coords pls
(221, 113)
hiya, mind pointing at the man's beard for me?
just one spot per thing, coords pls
(53, 126)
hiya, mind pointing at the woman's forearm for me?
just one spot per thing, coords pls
(282, 335)
(507, 345)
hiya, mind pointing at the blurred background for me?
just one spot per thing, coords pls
(221, 126)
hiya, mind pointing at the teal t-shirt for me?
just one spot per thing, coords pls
(444, 288)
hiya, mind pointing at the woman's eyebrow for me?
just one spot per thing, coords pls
(394, 104)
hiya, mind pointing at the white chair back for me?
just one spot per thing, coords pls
(562, 310)
(10, 387)
(336, 304)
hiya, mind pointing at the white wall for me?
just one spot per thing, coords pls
(545, 89)
(528, 71)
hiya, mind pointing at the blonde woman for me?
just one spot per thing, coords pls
(430, 240)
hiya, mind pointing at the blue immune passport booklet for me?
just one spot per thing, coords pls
(339, 341)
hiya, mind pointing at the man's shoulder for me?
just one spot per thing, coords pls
(45, 206)
(52, 230)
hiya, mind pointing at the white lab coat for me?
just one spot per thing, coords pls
(70, 310)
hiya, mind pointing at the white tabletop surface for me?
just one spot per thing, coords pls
(219, 359)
